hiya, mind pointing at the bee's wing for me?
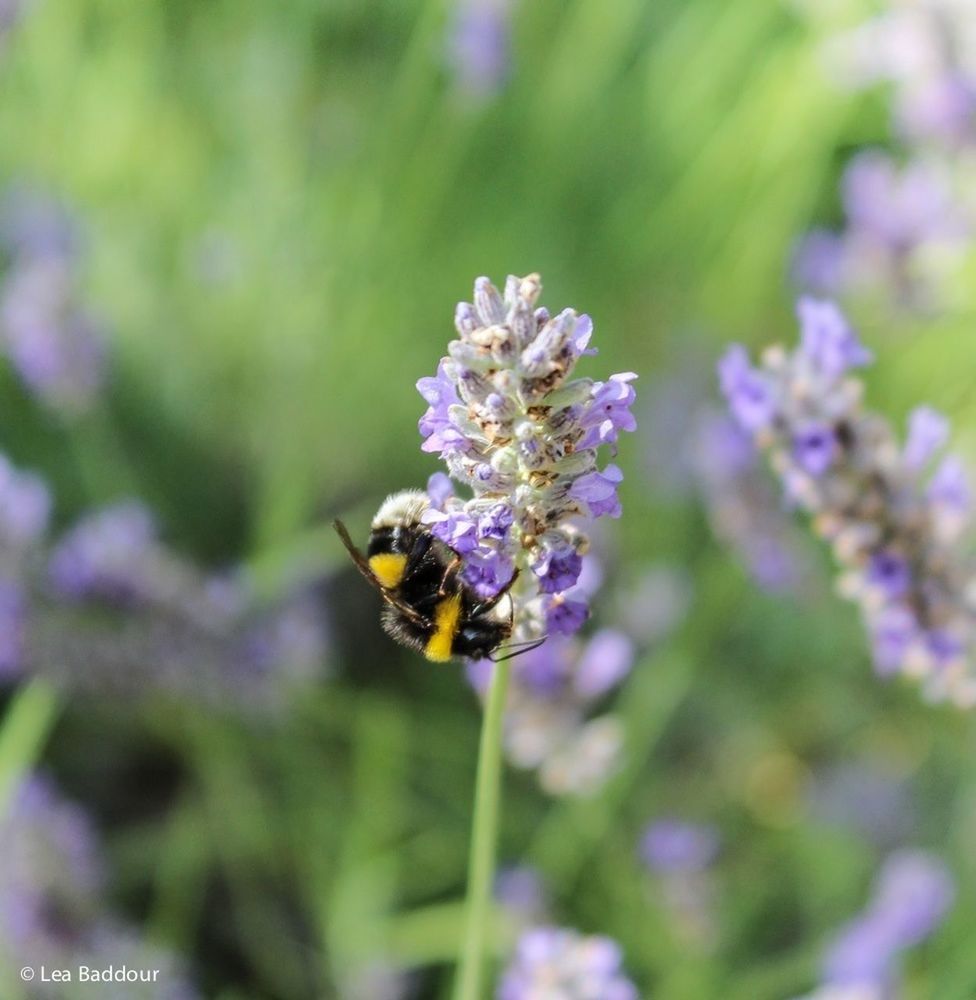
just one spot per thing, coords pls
(363, 566)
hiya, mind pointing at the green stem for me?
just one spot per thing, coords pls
(25, 729)
(484, 836)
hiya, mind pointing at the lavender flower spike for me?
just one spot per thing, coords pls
(893, 522)
(556, 962)
(911, 898)
(514, 428)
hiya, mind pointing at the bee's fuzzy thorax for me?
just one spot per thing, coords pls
(403, 508)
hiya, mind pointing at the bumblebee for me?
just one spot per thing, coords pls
(429, 607)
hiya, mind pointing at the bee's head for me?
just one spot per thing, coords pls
(480, 636)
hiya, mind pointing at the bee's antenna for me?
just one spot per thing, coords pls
(520, 648)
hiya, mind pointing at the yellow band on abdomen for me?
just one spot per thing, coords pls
(446, 617)
(388, 568)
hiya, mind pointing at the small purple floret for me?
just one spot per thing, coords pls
(749, 394)
(928, 431)
(671, 845)
(890, 572)
(608, 411)
(565, 615)
(827, 339)
(814, 447)
(598, 491)
(558, 570)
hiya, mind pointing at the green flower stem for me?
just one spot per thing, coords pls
(26, 726)
(484, 836)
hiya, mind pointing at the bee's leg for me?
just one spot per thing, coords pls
(487, 605)
(450, 571)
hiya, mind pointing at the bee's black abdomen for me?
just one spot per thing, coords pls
(430, 608)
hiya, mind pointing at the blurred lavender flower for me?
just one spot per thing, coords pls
(110, 555)
(819, 262)
(546, 725)
(894, 528)
(926, 49)
(10, 13)
(51, 876)
(680, 854)
(912, 895)
(672, 845)
(114, 945)
(865, 798)
(656, 604)
(250, 659)
(161, 627)
(508, 423)
(54, 343)
(743, 509)
(560, 964)
(898, 210)
(51, 910)
(13, 610)
(700, 452)
(34, 225)
(908, 228)
(479, 45)
(522, 893)
(25, 506)
(905, 228)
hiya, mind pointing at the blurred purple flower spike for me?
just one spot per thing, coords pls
(912, 895)
(479, 45)
(51, 339)
(895, 528)
(557, 962)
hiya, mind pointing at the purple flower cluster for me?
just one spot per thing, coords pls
(926, 51)
(522, 893)
(548, 728)
(162, 626)
(111, 555)
(10, 13)
(25, 506)
(673, 845)
(695, 451)
(174, 629)
(906, 231)
(743, 509)
(893, 515)
(654, 604)
(909, 219)
(562, 964)
(912, 895)
(53, 342)
(51, 908)
(865, 797)
(513, 427)
(680, 855)
(479, 45)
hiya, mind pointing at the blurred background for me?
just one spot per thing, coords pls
(232, 236)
